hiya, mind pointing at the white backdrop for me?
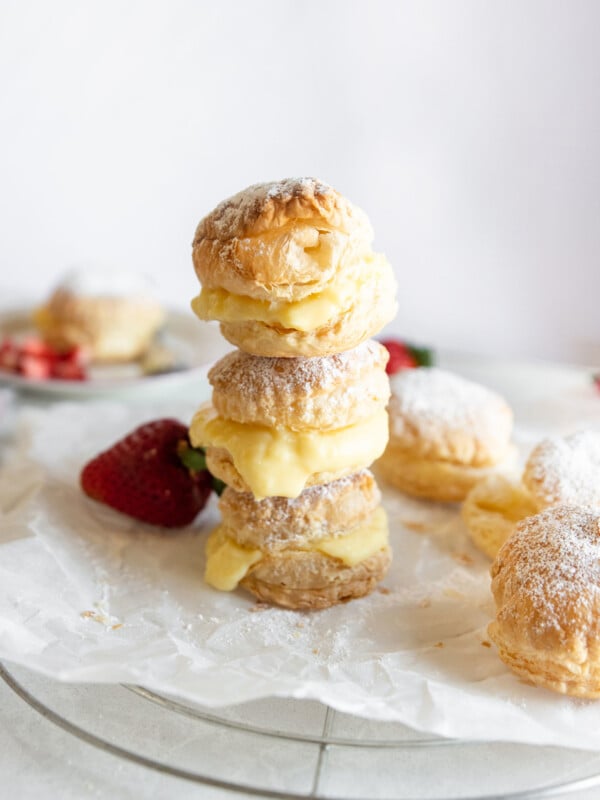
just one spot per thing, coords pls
(469, 131)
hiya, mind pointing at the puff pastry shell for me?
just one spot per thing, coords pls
(546, 586)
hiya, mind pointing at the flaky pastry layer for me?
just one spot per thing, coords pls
(308, 580)
(306, 572)
(546, 587)
(319, 512)
(437, 415)
(371, 310)
(492, 509)
(302, 393)
(280, 240)
(434, 479)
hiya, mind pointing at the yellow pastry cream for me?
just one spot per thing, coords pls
(277, 462)
(309, 314)
(227, 562)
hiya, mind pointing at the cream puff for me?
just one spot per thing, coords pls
(446, 433)
(546, 586)
(277, 425)
(558, 471)
(288, 270)
(326, 546)
(565, 470)
(113, 315)
(492, 509)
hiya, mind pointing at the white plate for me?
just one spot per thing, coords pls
(196, 345)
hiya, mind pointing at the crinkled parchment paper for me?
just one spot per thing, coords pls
(88, 595)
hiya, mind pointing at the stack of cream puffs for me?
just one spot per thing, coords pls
(298, 412)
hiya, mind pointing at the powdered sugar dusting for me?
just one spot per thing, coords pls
(252, 375)
(290, 187)
(430, 405)
(328, 491)
(235, 212)
(549, 571)
(566, 470)
(282, 521)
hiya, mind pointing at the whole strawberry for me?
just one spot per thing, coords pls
(406, 356)
(144, 475)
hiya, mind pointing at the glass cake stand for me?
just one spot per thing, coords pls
(292, 749)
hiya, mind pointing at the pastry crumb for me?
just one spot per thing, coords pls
(485, 643)
(258, 607)
(414, 525)
(316, 651)
(383, 590)
(102, 619)
(463, 558)
(456, 595)
(425, 602)
(95, 616)
(439, 644)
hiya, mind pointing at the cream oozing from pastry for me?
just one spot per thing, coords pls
(278, 461)
(309, 313)
(227, 562)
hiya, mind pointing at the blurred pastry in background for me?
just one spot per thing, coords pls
(446, 433)
(111, 314)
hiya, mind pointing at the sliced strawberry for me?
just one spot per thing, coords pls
(34, 346)
(37, 360)
(78, 355)
(34, 367)
(68, 371)
(143, 476)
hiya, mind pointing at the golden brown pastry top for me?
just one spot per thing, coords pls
(565, 470)
(435, 414)
(266, 206)
(546, 583)
(317, 393)
(282, 240)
